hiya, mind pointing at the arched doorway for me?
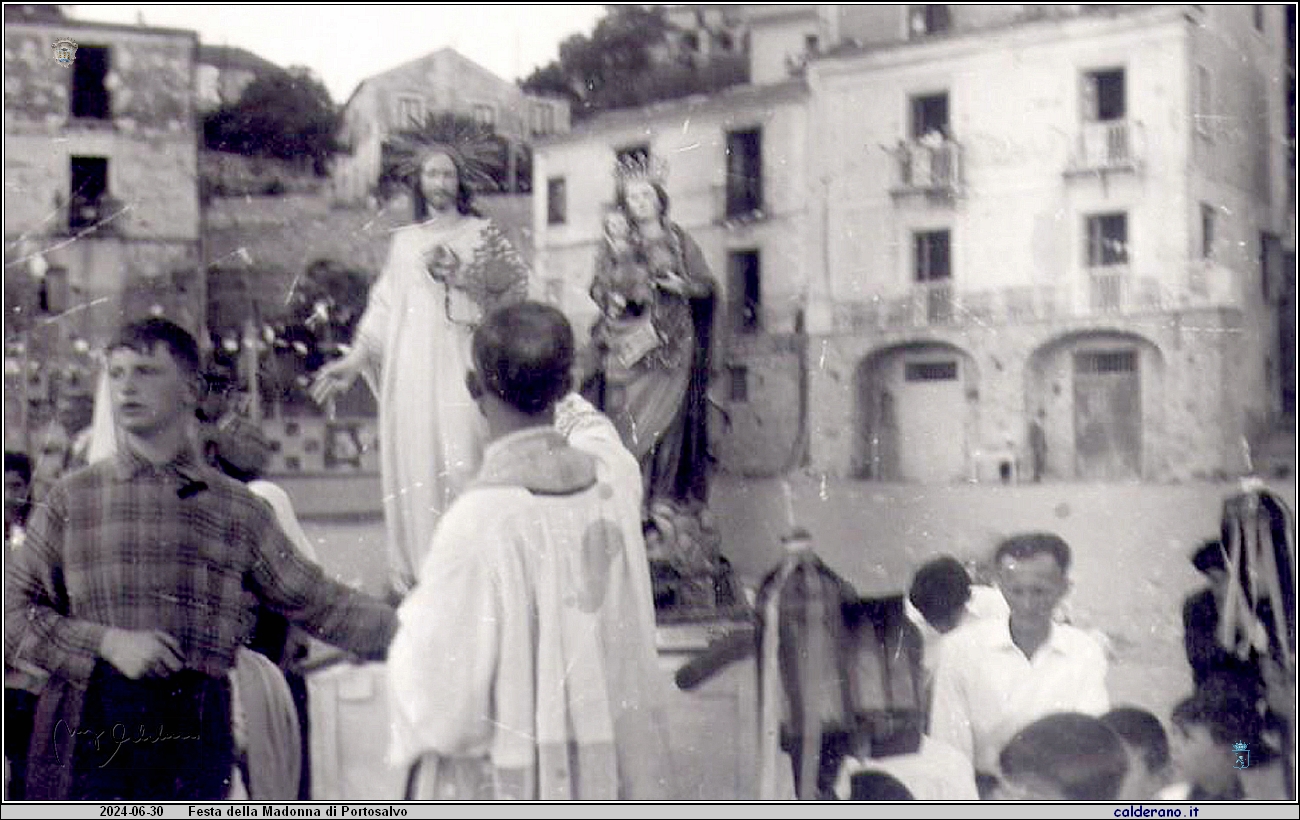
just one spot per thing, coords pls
(1094, 396)
(915, 413)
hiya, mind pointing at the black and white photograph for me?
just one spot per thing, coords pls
(650, 403)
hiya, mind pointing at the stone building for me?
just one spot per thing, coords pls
(101, 192)
(1010, 234)
(444, 81)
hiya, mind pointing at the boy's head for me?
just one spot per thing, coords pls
(1147, 748)
(878, 785)
(161, 335)
(1064, 756)
(74, 408)
(940, 590)
(153, 368)
(523, 357)
(1205, 727)
(1210, 561)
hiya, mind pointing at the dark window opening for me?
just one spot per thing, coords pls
(691, 41)
(1107, 240)
(929, 19)
(1286, 340)
(1258, 12)
(1207, 231)
(53, 297)
(932, 256)
(929, 114)
(1104, 95)
(89, 187)
(726, 42)
(1108, 361)
(556, 201)
(738, 381)
(745, 287)
(930, 371)
(744, 172)
(89, 93)
(811, 43)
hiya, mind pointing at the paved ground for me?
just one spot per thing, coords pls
(1130, 543)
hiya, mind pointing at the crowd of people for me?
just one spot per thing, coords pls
(160, 597)
(1019, 707)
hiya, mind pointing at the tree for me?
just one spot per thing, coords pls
(285, 115)
(621, 65)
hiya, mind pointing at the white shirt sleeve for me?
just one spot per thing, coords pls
(950, 708)
(1093, 697)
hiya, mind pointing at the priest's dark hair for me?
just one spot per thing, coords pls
(523, 354)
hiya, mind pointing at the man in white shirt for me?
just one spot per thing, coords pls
(997, 676)
(524, 666)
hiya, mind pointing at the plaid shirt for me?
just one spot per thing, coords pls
(178, 548)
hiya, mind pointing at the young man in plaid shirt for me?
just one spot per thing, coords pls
(139, 578)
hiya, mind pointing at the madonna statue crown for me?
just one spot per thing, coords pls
(638, 166)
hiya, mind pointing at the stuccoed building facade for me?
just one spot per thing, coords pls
(1018, 239)
(1075, 222)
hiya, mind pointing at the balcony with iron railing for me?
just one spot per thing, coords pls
(1107, 146)
(1108, 288)
(1098, 293)
(927, 168)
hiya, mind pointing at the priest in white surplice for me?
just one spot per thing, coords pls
(524, 666)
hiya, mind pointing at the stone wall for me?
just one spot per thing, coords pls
(143, 255)
(150, 78)
(153, 180)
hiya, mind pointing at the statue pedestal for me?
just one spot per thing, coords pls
(713, 727)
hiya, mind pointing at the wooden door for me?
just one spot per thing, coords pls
(1107, 415)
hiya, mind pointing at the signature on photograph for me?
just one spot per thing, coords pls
(112, 740)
